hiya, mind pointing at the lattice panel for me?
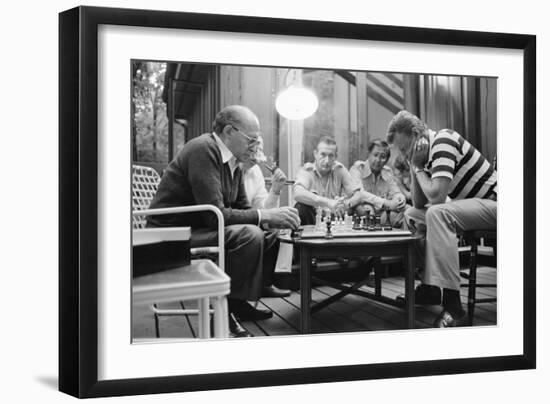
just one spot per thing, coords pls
(145, 181)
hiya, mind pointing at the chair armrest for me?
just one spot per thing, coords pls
(189, 209)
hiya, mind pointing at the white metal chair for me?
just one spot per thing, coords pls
(203, 282)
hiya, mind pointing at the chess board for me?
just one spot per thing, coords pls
(309, 232)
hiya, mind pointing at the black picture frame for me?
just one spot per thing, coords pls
(78, 206)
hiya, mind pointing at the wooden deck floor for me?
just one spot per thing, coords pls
(352, 313)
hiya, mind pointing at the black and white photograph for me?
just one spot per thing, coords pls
(278, 201)
(275, 202)
(249, 202)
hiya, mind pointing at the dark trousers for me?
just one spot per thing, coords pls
(250, 257)
(306, 213)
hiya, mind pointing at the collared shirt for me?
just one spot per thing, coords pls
(337, 183)
(227, 156)
(451, 156)
(256, 192)
(229, 159)
(382, 188)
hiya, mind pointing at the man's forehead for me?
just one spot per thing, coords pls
(379, 149)
(251, 124)
(401, 137)
(326, 148)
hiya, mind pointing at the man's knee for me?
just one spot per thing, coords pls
(244, 234)
(437, 214)
(415, 219)
(412, 212)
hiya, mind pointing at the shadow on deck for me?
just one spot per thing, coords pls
(351, 314)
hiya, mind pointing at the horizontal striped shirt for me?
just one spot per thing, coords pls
(453, 157)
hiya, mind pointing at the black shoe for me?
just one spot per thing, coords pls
(236, 329)
(424, 294)
(245, 312)
(274, 291)
(446, 319)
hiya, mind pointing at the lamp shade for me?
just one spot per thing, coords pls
(296, 103)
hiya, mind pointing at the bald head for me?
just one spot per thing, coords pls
(236, 115)
(239, 129)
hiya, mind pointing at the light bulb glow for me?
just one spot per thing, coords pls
(296, 103)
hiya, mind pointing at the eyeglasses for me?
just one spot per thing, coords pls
(252, 141)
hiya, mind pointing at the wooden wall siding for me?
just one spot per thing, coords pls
(411, 93)
(356, 110)
(256, 88)
(195, 97)
(385, 97)
(206, 105)
(362, 113)
(387, 90)
(230, 85)
(342, 127)
(353, 125)
(258, 93)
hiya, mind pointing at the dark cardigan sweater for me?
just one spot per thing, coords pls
(197, 175)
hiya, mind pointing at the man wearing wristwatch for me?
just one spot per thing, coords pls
(325, 183)
(380, 191)
(443, 165)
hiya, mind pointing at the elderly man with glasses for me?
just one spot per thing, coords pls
(206, 171)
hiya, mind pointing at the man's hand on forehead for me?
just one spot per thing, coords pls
(420, 152)
(421, 142)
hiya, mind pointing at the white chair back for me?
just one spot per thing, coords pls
(145, 181)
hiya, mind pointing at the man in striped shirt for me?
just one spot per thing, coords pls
(454, 189)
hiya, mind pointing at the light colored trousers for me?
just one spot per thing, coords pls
(437, 227)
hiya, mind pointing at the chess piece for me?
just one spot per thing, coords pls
(328, 234)
(371, 222)
(387, 224)
(319, 218)
(356, 223)
(364, 222)
(377, 224)
(347, 221)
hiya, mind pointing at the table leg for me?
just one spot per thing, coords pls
(377, 276)
(409, 286)
(305, 290)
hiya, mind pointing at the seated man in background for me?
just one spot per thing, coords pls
(206, 171)
(325, 183)
(380, 190)
(443, 164)
(254, 181)
(260, 198)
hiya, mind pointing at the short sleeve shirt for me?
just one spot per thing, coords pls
(451, 156)
(338, 183)
(384, 187)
